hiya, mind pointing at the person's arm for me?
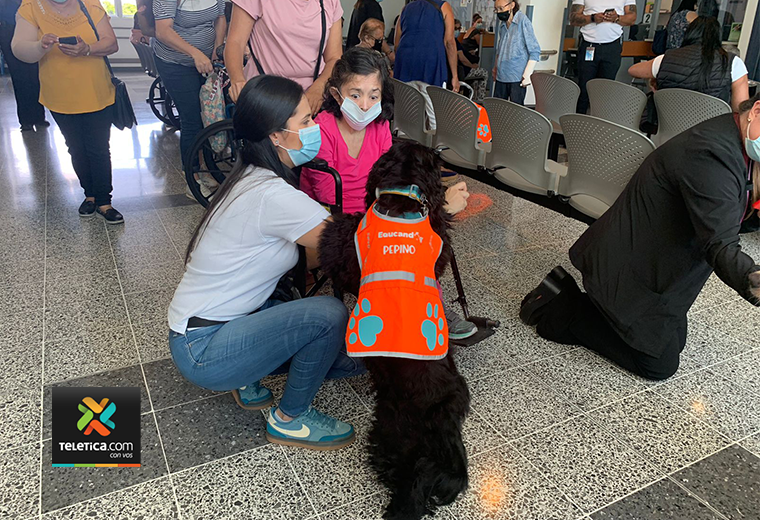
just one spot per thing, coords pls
(145, 18)
(25, 44)
(450, 43)
(642, 70)
(534, 51)
(333, 52)
(710, 194)
(578, 19)
(105, 46)
(220, 28)
(628, 18)
(397, 32)
(241, 28)
(463, 59)
(388, 52)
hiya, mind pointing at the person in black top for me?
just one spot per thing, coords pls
(363, 10)
(645, 261)
(25, 76)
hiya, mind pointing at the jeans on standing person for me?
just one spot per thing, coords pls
(510, 91)
(88, 140)
(305, 338)
(26, 81)
(184, 86)
(605, 64)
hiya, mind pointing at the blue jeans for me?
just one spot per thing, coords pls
(305, 338)
(510, 91)
(184, 86)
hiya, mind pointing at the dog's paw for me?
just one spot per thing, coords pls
(433, 327)
(364, 329)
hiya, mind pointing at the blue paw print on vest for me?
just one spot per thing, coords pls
(369, 326)
(430, 329)
(482, 130)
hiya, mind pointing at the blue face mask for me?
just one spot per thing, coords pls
(60, 1)
(752, 146)
(311, 141)
(457, 33)
(357, 118)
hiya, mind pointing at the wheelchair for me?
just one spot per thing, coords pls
(159, 100)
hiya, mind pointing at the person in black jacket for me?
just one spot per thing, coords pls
(645, 261)
(363, 10)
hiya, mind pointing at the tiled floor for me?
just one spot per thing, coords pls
(555, 433)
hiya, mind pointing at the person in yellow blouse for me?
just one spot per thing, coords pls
(75, 86)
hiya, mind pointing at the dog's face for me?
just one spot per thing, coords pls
(404, 164)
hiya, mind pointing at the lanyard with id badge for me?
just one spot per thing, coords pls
(590, 53)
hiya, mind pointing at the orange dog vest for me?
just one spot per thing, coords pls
(399, 311)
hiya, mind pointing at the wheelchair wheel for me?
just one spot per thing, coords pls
(162, 104)
(213, 154)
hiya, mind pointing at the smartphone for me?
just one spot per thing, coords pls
(610, 11)
(68, 40)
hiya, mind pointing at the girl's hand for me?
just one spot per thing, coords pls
(235, 88)
(75, 51)
(456, 198)
(47, 41)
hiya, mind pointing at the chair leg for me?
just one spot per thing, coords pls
(554, 147)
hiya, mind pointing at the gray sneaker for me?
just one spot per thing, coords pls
(459, 328)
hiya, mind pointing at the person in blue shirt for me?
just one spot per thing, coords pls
(25, 76)
(517, 52)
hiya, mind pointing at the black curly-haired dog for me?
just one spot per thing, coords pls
(415, 442)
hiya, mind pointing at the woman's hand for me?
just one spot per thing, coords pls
(235, 88)
(314, 95)
(455, 84)
(493, 73)
(75, 51)
(456, 198)
(47, 41)
(202, 63)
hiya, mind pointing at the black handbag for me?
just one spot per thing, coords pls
(123, 114)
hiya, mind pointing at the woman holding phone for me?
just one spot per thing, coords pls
(75, 86)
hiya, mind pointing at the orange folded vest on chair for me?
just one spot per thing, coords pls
(484, 125)
(399, 311)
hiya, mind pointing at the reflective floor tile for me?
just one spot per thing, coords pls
(706, 347)
(585, 379)
(663, 500)
(481, 360)
(257, 485)
(169, 388)
(152, 339)
(516, 403)
(21, 297)
(660, 431)
(752, 443)
(503, 485)
(588, 464)
(153, 500)
(334, 478)
(149, 305)
(20, 481)
(725, 406)
(124, 377)
(729, 481)
(523, 345)
(203, 431)
(62, 487)
(733, 318)
(146, 277)
(743, 370)
(479, 435)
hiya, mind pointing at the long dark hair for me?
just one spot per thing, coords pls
(705, 31)
(264, 106)
(687, 5)
(358, 61)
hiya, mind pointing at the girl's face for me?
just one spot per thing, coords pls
(365, 91)
(301, 118)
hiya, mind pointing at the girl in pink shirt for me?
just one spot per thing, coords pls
(358, 102)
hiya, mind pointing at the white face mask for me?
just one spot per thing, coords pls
(357, 118)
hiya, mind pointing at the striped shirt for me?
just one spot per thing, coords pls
(193, 22)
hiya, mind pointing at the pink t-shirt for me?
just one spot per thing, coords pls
(353, 172)
(286, 36)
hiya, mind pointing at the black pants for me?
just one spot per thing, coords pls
(87, 137)
(510, 91)
(573, 319)
(605, 64)
(26, 81)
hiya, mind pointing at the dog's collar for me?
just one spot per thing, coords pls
(412, 191)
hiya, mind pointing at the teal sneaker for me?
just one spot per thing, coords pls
(311, 429)
(253, 396)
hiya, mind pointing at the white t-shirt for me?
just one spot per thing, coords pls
(246, 248)
(602, 32)
(738, 68)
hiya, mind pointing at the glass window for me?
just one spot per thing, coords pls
(109, 7)
(128, 8)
